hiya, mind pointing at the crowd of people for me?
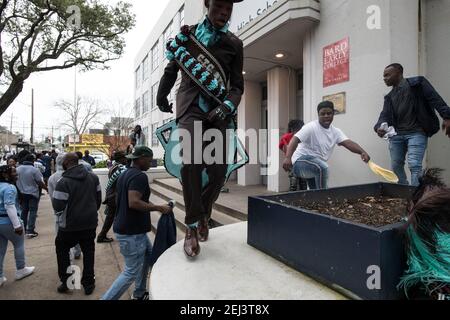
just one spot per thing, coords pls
(76, 197)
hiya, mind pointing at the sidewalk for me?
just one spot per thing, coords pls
(40, 252)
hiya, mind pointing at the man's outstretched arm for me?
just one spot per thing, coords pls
(356, 148)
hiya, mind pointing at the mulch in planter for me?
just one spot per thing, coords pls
(371, 211)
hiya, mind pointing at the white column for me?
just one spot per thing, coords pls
(281, 106)
(249, 121)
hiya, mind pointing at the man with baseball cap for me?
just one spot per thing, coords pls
(311, 148)
(131, 225)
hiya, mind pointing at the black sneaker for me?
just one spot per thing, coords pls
(63, 288)
(145, 297)
(104, 240)
(88, 290)
(32, 234)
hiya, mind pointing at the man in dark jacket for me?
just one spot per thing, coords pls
(194, 109)
(76, 200)
(410, 108)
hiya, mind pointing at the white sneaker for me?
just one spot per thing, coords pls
(2, 281)
(25, 272)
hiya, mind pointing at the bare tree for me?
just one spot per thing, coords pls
(120, 125)
(80, 116)
(45, 35)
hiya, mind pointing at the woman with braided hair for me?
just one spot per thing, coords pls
(11, 227)
(428, 240)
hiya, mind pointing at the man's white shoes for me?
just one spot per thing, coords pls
(23, 273)
(2, 281)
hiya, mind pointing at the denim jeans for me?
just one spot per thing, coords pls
(7, 234)
(314, 170)
(29, 206)
(136, 250)
(410, 147)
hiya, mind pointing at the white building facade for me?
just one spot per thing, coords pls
(284, 50)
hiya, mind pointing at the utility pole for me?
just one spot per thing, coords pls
(32, 116)
(51, 141)
(10, 131)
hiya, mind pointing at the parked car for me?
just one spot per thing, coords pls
(99, 157)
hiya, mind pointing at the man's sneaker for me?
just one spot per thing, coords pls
(32, 234)
(62, 288)
(88, 290)
(25, 272)
(2, 281)
(146, 296)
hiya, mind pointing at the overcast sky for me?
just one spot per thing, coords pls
(109, 86)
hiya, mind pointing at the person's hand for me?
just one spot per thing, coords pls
(446, 127)
(164, 105)
(381, 133)
(165, 209)
(365, 157)
(219, 114)
(287, 164)
(19, 231)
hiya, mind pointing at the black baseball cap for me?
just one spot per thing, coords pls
(325, 104)
(141, 152)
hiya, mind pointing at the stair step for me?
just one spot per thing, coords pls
(174, 186)
(217, 216)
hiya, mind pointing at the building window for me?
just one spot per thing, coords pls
(155, 141)
(145, 102)
(154, 94)
(166, 133)
(138, 77)
(168, 33)
(145, 68)
(155, 55)
(181, 15)
(145, 131)
(137, 108)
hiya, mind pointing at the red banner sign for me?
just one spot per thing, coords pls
(336, 63)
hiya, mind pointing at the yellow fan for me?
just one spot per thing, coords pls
(386, 174)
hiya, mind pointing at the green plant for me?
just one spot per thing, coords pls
(101, 164)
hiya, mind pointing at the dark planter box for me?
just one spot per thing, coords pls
(334, 251)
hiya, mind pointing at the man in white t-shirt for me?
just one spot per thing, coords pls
(311, 148)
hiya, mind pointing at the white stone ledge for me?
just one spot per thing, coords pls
(229, 269)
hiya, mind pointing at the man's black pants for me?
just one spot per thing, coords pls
(66, 240)
(110, 214)
(198, 200)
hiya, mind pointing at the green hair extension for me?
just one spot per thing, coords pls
(430, 269)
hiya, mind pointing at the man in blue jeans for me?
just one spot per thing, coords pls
(132, 224)
(29, 181)
(411, 109)
(311, 148)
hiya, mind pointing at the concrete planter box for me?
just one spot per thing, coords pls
(336, 252)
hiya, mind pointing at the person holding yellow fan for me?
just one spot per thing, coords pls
(311, 148)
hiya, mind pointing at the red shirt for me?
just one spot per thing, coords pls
(285, 140)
